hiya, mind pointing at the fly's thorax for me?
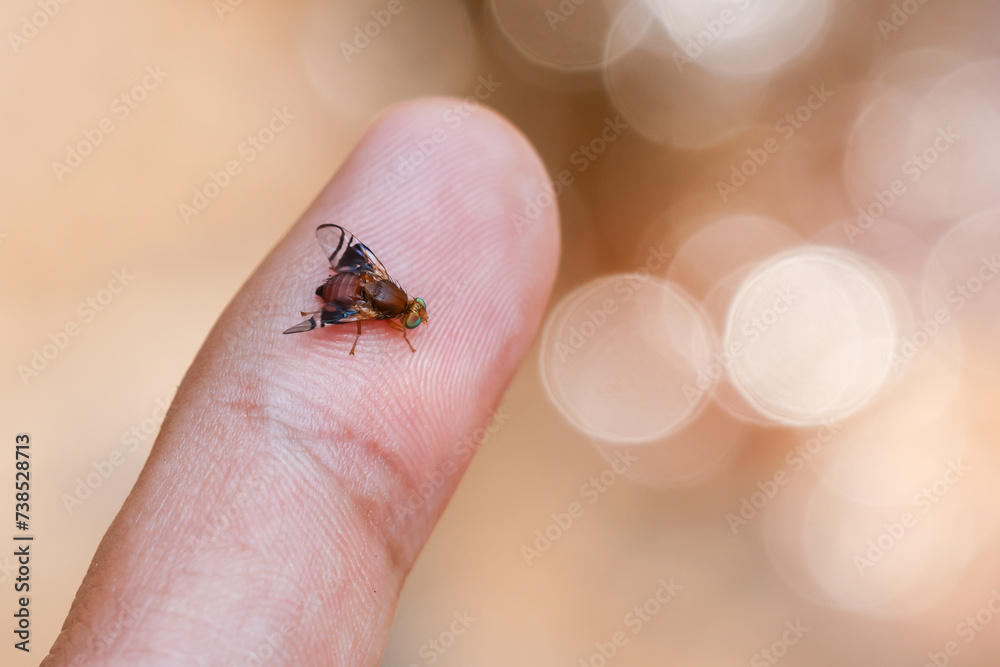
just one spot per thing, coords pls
(386, 298)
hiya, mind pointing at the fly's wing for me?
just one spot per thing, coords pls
(332, 314)
(347, 254)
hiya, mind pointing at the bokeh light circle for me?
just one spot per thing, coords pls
(622, 358)
(721, 246)
(892, 560)
(962, 288)
(360, 57)
(742, 37)
(559, 34)
(687, 458)
(810, 336)
(664, 99)
(955, 140)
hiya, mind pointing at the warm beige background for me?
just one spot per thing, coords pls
(226, 67)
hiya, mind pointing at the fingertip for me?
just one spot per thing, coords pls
(458, 205)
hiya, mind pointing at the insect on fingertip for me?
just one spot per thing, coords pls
(359, 289)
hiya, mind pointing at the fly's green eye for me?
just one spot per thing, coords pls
(414, 319)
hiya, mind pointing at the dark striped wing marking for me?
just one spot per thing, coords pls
(331, 315)
(347, 254)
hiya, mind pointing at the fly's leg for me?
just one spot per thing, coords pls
(408, 340)
(399, 325)
(356, 337)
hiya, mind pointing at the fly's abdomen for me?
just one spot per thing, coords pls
(342, 289)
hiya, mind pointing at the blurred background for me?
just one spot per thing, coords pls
(759, 425)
